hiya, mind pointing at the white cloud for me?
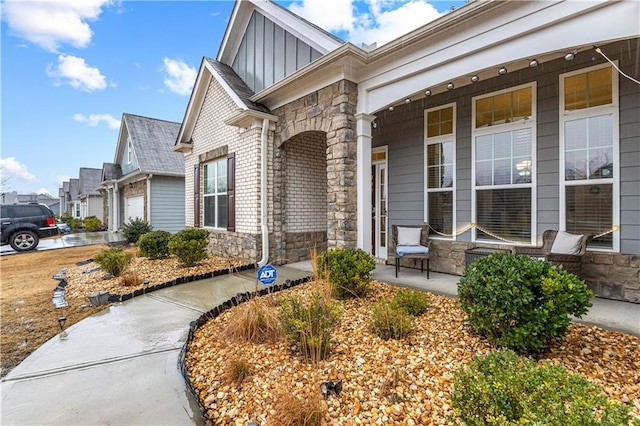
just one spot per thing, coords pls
(180, 76)
(12, 168)
(60, 179)
(379, 21)
(41, 191)
(92, 120)
(77, 73)
(51, 23)
(341, 17)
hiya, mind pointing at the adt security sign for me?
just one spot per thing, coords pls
(267, 274)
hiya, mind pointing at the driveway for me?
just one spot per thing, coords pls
(72, 240)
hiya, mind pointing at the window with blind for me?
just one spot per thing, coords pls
(503, 134)
(589, 152)
(440, 124)
(215, 193)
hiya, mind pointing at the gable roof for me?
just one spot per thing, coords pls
(111, 172)
(152, 140)
(73, 189)
(233, 85)
(89, 180)
(311, 34)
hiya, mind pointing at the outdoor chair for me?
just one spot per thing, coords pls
(559, 248)
(411, 242)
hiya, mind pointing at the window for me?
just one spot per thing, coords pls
(589, 151)
(439, 132)
(503, 159)
(76, 210)
(129, 152)
(215, 193)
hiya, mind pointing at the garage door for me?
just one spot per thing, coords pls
(134, 208)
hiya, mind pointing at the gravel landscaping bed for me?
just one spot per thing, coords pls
(399, 382)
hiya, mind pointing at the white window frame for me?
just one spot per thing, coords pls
(529, 122)
(614, 110)
(435, 140)
(215, 194)
(129, 151)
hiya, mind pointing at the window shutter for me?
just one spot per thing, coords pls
(196, 196)
(231, 192)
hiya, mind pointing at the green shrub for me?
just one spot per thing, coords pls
(134, 229)
(309, 325)
(501, 388)
(154, 244)
(390, 322)
(74, 224)
(114, 260)
(520, 303)
(413, 302)
(189, 245)
(92, 223)
(347, 270)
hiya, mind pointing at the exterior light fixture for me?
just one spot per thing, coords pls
(427, 92)
(450, 86)
(407, 101)
(533, 63)
(375, 125)
(502, 71)
(391, 108)
(61, 321)
(475, 79)
(326, 388)
(570, 56)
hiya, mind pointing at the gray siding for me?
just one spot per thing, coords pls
(402, 130)
(167, 204)
(268, 53)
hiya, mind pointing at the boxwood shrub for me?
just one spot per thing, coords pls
(189, 245)
(154, 244)
(519, 302)
(503, 389)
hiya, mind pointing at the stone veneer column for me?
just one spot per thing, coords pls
(342, 163)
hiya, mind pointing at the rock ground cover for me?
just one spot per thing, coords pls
(399, 382)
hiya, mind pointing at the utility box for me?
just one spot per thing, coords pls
(99, 298)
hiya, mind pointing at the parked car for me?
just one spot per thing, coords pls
(23, 225)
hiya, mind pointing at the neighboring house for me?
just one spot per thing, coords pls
(73, 197)
(146, 178)
(65, 198)
(491, 124)
(13, 197)
(91, 202)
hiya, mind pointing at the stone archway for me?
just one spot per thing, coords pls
(329, 111)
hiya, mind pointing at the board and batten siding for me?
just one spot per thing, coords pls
(268, 53)
(167, 203)
(402, 130)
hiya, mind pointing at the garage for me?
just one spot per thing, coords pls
(134, 208)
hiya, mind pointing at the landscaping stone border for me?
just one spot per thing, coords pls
(214, 313)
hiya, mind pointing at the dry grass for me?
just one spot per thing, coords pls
(29, 317)
(237, 371)
(291, 410)
(254, 321)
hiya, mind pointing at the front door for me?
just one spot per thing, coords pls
(379, 199)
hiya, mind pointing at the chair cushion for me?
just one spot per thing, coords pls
(566, 243)
(409, 250)
(409, 236)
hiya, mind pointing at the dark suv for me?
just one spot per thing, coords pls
(24, 224)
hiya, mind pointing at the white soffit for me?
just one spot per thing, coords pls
(522, 30)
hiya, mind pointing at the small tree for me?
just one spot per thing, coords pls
(134, 229)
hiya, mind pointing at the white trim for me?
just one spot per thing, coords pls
(379, 253)
(531, 123)
(434, 140)
(363, 180)
(614, 110)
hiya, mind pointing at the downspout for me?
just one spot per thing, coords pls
(148, 197)
(263, 193)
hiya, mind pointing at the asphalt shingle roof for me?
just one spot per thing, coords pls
(239, 87)
(89, 180)
(153, 141)
(111, 171)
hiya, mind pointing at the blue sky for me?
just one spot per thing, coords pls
(71, 68)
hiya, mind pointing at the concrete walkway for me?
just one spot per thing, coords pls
(120, 366)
